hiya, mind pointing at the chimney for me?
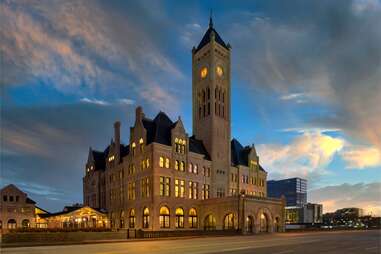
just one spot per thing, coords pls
(117, 140)
(139, 115)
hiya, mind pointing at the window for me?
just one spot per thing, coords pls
(204, 72)
(190, 169)
(205, 191)
(220, 192)
(210, 222)
(229, 221)
(10, 198)
(182, 166)
(179, 188)
(145, 187)
(177, 165)
(179, 217)
(133, 148)
(122, 219)
(111, 158)
(141, 143)
(131, 191)
(166, 163)
(164, 186)
(5, 198)
(12, 224)
(147, 163)
(146, 218)
(164, 217)
(25, 223)
(132, 219)
(192, 219)
(193, 190)
(161, 162)
(195, 169)
(131, 169)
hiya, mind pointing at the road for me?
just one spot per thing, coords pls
(347, 242)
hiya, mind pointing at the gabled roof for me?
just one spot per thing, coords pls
(206, 38)
(197, 146)
(240, 154)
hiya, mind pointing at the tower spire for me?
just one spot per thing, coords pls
(211, 19)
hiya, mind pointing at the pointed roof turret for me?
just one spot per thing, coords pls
(207, 37)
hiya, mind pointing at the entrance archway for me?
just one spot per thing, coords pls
(264, 223)
(249, 224)
(25, 223)
(12, 224)
(210, 222)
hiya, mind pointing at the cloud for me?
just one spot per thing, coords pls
(94, 101)
(126, 101)
(360, 157)
(328, 50)
(297, 97)
(306, 156)
(87, 48)
(362, 195)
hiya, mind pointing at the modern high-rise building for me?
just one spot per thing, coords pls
(294, 189)
(165, 179)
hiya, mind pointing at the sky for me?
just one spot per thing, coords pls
(306, 87)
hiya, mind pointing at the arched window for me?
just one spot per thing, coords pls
(177, 164)
(190, 169)
(263, 223)
(192, 219)
(161, 161)
(164, 217)
(146, 218)
(179, 217)
(11, 224)
(121, 219)
(182, 166)
(210, 222)
(132, 219)
(141, 143)
(25, 223)
(133, 148)
(166, 163)
(229, 221)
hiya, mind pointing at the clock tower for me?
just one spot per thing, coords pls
(211, 104)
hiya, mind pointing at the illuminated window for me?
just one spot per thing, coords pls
(165, 186)
(132, 219)
(204, 72)
(193, 190)
(164, 217)
(121, 219)
(177, 165)
(146, 218)
(192, 219)
(210, 222)
(195, 169)
(205, 191)
(179, 188)
(141, 143)
(111, 158)
(131, 169)
(131, 191)
(161, 162)
(145, 187)
(147, 162)
(182, 166)
(167, 163)
(133, 148)
(179, 217)
(229, 221)
(190, 168)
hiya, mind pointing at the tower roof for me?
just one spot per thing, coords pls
(206, 38)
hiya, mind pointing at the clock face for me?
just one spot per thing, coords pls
(219, 71)
(204, 72)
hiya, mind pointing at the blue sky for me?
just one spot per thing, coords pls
(306, 87)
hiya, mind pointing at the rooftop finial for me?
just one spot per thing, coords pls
(211, 19)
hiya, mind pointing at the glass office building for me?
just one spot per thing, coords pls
(294, 189)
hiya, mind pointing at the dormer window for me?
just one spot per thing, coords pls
(133, 148)
(253, 164)
(111, 158)
(141, 143)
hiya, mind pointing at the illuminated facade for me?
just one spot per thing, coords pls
(165, 179)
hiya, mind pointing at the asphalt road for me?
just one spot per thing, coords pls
(356, 242)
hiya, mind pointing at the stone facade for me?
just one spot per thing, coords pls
(16, 209)
(165, 179)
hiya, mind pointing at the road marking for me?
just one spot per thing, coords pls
(371, 248)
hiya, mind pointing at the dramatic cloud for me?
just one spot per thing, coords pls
(366, 196)
(306, 156)
(329, 50)
(80, 47)
(358, 157)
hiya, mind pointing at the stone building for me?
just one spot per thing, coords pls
(165, 179)
(16, 209)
